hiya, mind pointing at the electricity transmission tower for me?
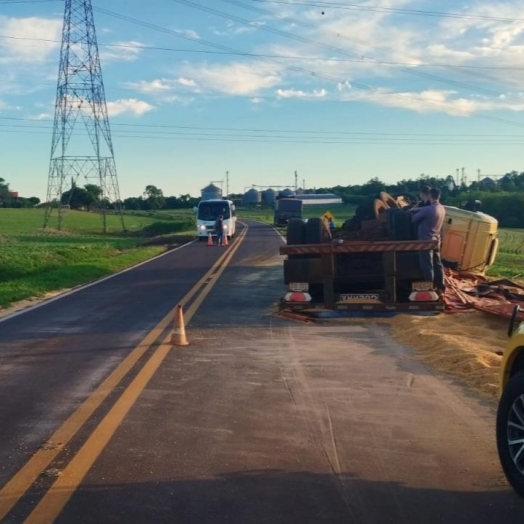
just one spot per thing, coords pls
(81, 144)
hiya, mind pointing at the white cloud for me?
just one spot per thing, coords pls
(42, 116)
(153, 86)
(32, 39)
(435, 101)
(127, 51)
(234, 78)
(128, 105)
(190, 33)
(298, 93)
(186, 82)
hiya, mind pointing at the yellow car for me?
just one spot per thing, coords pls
(510, 414)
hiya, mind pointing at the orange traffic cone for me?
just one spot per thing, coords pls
(178, 337)
(210, 240)
(224, 240)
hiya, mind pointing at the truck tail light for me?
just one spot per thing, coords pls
(423, 296)
(297, 297)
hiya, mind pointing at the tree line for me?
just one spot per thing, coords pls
(9, 198)
(502, 198)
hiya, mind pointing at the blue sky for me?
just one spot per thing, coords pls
(386, 88)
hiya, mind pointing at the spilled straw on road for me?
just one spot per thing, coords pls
(465, 345)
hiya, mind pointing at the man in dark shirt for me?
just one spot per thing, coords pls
(429, 221)
(219, 228)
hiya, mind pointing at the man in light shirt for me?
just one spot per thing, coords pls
(429, 220)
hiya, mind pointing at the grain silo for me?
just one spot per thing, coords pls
(211, 192)
(269, 197)
(252, 198)
(286, 193)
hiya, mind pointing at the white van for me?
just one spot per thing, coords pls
(207, 213)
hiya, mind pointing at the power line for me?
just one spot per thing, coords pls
(393, 10)
(250, 136)
(330, 47)
(289, 131)
(4, 2)
(338, 81)
(281, 57)
(293, 141)
(364, 42)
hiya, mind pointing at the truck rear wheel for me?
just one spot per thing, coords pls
(296, 232)
(296, 235)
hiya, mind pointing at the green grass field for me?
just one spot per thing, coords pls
(341, 212)
(34, 261)
(510, 259)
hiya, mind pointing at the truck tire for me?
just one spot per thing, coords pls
(317, 232)
(296, 235)
(399, 224)
(296, 232)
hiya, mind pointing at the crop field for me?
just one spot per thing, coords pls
(510, 259)
(512, 241)
(34, 261)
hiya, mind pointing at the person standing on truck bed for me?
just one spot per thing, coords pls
(429, 221)
(424, 197)
(219, 228)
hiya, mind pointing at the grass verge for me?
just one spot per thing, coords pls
(35, 262)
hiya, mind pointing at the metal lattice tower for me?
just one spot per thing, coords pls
(81, 144)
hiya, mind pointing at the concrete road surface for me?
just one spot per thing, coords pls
(259, 420)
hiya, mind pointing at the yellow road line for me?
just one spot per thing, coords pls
(15, 488)
(63, 488)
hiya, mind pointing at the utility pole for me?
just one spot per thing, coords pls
(478, 173)
(227, 183)
(81, 102)
(296, 181)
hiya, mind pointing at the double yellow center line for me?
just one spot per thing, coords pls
(63, 488)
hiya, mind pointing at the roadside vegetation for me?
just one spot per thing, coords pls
(34, 262)
(341, 212)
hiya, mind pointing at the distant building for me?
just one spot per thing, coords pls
(13, 194)
(488, 182)
(326, 199)
(211, 192)
(252, 198)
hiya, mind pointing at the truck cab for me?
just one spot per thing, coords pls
(287, 209)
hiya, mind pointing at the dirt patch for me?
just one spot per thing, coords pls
(24, 304)
(464, 345)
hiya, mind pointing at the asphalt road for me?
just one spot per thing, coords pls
(259, 420)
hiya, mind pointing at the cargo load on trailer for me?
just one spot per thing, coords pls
(372, 262)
